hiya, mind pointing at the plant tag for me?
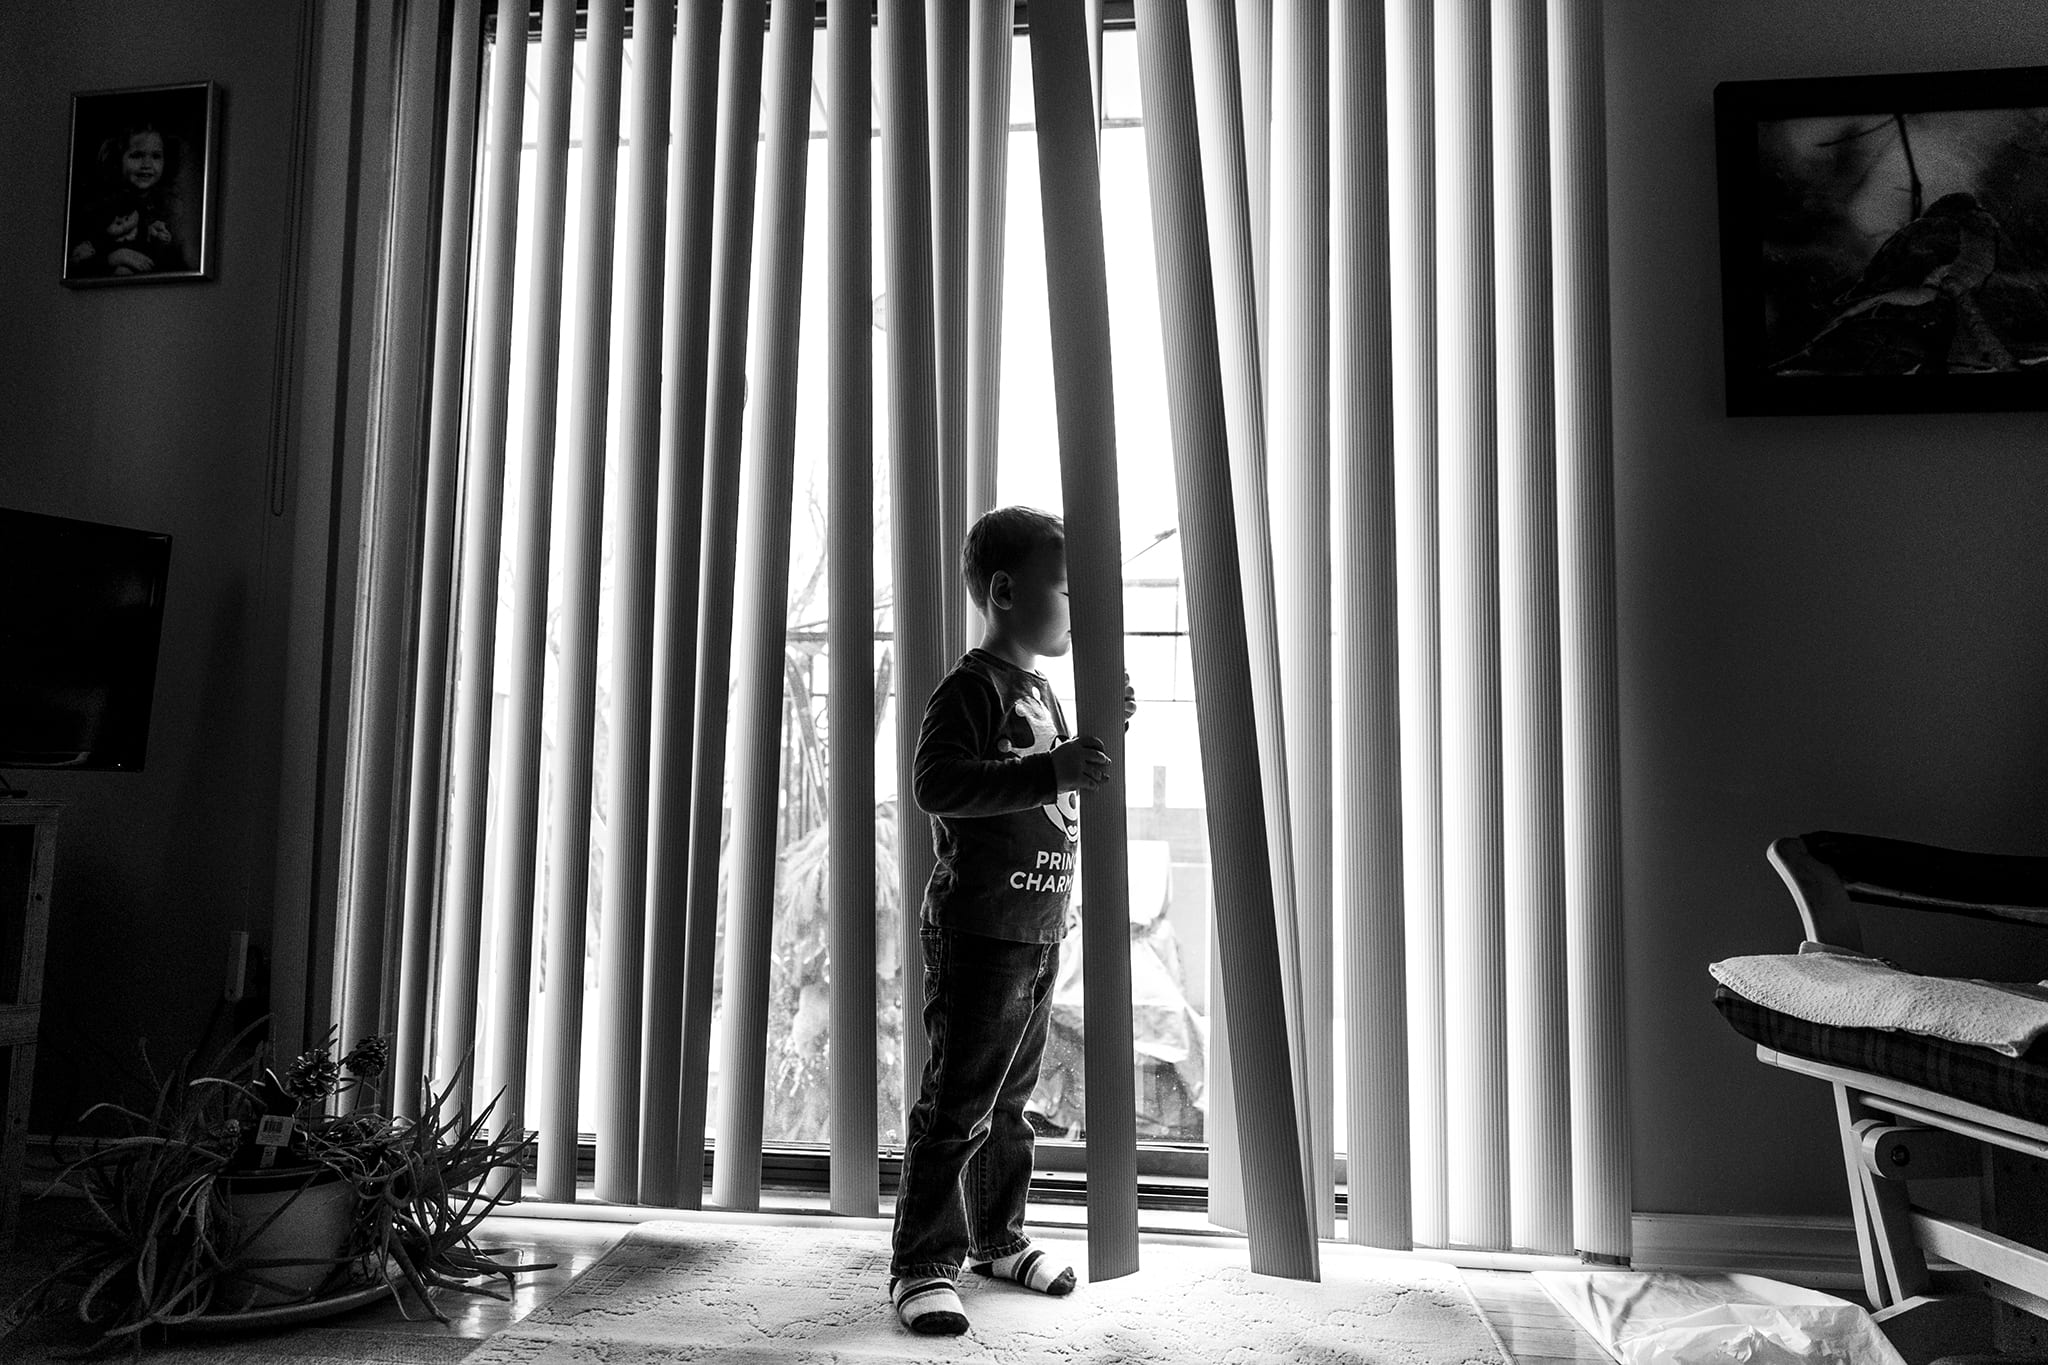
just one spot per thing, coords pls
(274, 1130)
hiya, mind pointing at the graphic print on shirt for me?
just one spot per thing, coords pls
(1030, 730)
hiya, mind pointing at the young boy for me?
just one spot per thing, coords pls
(1000, 778)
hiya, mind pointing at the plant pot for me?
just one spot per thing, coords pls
(295, 1220)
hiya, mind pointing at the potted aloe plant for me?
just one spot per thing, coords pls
(248, 1190)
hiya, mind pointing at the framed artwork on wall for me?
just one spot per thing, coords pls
(1884, 242)
(139, 208)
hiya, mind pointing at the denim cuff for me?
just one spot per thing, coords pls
(924, 1271)
(1009, 1248)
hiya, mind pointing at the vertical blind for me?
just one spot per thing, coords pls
(1381, 264)
(1077, 287)
(850, 865)
(1273, 1191)
(636, 462)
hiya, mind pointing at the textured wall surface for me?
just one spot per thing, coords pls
(1825, 622)
(151, 406)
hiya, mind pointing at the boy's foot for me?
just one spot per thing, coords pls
(1031, 1268)
(928, 1304)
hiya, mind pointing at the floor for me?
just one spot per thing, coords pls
(1534, 1329)
(1529, 1322)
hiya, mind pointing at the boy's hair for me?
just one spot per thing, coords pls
(1002, 540)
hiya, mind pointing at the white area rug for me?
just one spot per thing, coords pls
(807, 1295)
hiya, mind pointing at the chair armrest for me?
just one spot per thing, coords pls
(1828, 870)
(1882, 871)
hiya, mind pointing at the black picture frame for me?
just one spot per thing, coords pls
(1884, 242)
(140, 195)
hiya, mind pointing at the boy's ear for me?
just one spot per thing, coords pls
(1000, 589)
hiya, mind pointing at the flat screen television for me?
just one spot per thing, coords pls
(81, 610)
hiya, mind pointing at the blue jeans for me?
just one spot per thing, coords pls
(967, 1159)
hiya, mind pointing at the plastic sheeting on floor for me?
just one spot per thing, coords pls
(1663, 1319)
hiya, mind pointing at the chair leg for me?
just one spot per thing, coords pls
(1859, 1205)
(1894, 1270)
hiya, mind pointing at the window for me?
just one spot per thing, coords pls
(1169, 872)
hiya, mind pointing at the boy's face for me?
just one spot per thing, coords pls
(143, 162)
(1031, 604)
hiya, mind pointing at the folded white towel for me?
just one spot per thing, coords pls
(1848, 990)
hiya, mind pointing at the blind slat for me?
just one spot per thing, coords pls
(988, 163)
(671, 1161)
(1366, 801)
(1532, 802)
(392, 314)
(1475, 970)
(739, 121)
(1233, 250)
(1254, 25)
(1077, 286)
(1272, 1168)
(1411, 157)
(433, 700)
(483, 501)
(761, 615)
(1298, 443)
(1590, 689)
(578, 560)
(917, 649)
(519, 762)
(849, 517)
(947, 79)
(622, 968)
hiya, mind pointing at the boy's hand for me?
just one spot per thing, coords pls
(1080, 765)
(1130, 701)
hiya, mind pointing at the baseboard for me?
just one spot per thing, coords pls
(1819, 1253)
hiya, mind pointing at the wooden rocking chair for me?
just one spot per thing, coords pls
(1912, 1108)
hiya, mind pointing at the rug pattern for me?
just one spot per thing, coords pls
(686, 1292)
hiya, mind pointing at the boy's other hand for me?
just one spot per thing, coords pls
(1130, 701)
(1080, 765)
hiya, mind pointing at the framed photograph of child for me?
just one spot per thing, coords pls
(140, 202)
(1884, 242)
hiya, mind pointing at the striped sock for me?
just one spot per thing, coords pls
(1031, 1268)
(928, 1304)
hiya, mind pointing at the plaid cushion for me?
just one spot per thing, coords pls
(2010, 1085)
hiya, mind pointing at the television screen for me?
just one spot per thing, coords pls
(81, 607)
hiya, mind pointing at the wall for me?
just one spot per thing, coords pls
(151, 406)
(1826, 622)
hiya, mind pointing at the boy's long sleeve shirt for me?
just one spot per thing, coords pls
(1005, 840)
